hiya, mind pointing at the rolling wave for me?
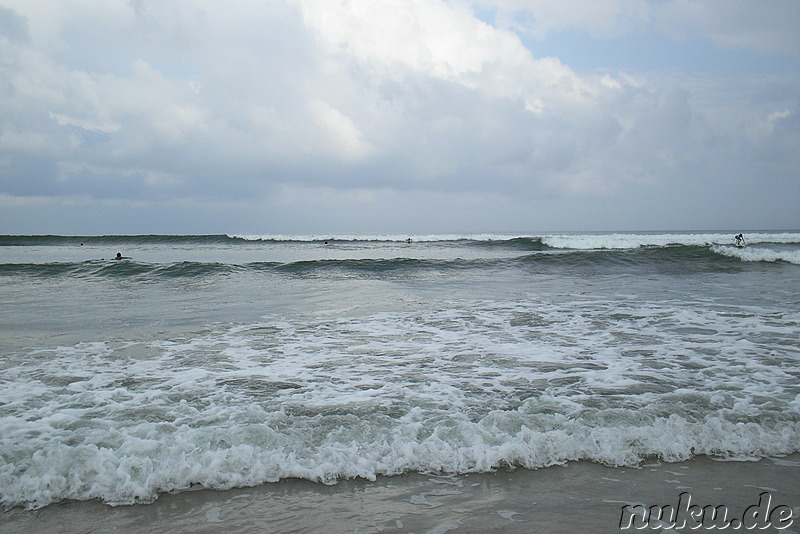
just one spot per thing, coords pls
(115, 269)
(190, 269)
(674, 257)
(514, 243)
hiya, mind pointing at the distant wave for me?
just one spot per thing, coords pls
(576, 241)
(373, 238)
(77, 240)
(580, 241)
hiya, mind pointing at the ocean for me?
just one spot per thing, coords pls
(231, 361)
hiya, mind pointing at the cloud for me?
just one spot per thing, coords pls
(767, 27)
(13, 27)
(340, 132)
(375, 104)
(475, 105)
(607, 19)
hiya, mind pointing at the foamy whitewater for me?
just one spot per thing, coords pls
(227, 361)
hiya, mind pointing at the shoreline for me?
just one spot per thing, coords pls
(576, 497)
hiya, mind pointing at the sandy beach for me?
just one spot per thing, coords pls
(578, 497)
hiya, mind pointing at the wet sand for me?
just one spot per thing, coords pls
(578, 497)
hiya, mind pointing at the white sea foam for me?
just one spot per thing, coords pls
(753, 253)
(463, 387)
(629, 241)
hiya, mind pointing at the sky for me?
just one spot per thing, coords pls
(398, 116)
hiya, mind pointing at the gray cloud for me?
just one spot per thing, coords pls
(298, 113)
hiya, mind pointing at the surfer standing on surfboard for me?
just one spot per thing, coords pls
(739, 240)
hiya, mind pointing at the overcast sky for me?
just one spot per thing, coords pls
(398, 116)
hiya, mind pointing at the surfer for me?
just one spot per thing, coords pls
(121, 257)
(408, 240)
(739, 240)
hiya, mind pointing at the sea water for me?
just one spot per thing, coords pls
(229, 361)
